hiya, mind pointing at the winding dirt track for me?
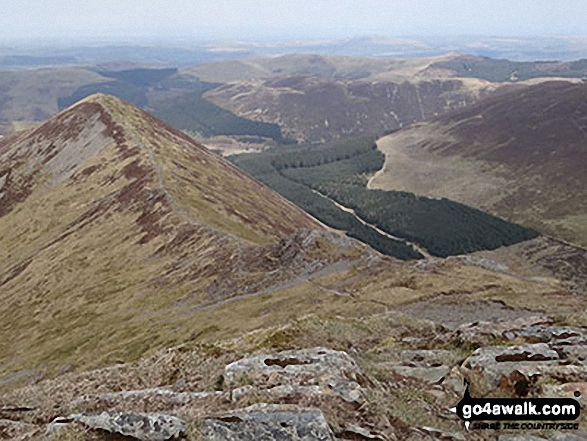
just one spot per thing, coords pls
(417, 247)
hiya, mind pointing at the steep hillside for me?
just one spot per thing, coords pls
(111, 222)
(313, 109)
(520, 155)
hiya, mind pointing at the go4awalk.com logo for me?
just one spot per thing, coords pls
(545, 413)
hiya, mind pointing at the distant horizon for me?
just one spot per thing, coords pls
(216, 20)
(139, 40)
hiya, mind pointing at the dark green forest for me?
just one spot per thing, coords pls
(194, 113)
(310, 175)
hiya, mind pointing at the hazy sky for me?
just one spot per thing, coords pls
(256, 19)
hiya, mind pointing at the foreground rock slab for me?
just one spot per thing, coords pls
(143, 427)
(269, 423)
(316, 371)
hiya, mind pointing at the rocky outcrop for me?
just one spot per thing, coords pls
(317, 371)
(143, 427)
(410, 376)
(544, 352)
(270, 423)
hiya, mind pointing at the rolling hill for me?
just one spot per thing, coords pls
(520, 155)
(320, 66)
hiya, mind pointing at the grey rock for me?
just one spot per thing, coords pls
(515, 354)
(143, 427)
(269, 423)
(308, 371)
(536, 329)
(520, 437)
(577, 436)
(566, 390)
(577, 354)
(517, 366)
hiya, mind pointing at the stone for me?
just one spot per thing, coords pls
(520, 437)
(515, 354)
(577, 391)
(517, 368)
(309, 371)
(577, 436)
(536, 329)
(508, 367)
(501, 329)
(143, 427)
(269, 423)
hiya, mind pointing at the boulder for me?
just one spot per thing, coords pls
(516, 369)
(269, 423)
(536, 329)
(143, 427)
(509, 367)
(316, 371)
(576, 391)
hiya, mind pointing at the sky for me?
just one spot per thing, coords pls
(290, 19)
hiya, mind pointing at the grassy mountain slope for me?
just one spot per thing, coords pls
(112, 223)
(520, 155)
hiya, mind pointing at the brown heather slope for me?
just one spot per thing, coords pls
(313, 109)
(520, 155)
